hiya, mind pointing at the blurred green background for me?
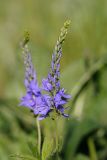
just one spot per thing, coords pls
(83, 73)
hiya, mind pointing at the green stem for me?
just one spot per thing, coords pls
(57, 141)
(92, 150)
(39, 136)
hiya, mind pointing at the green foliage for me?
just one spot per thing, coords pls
(34, 150)
(92, 109)
(81, 157)
(48, 148)
(23, 157)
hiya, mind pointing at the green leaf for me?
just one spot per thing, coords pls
(33, 149)
(96, 108)
(48, 148)
(23, 157)
(79, 131)
(82, 157)
(93, 116)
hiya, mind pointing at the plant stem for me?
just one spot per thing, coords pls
(92, 150)
(57, 141)
(39, 136)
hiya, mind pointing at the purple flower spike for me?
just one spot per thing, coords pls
(52, 85)
(30, 73)
(55, 98)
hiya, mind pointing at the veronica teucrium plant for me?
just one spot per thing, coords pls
(49, 99)
(55, 98)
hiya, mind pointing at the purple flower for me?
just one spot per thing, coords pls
(28, 100)
(34, 88)
(55, 99)
(37, 102)
(60, 99)
(61, 110)
(64, 95)
(46, 85)
(52, 85)
(43, 104)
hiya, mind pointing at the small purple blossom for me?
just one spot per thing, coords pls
(42, 107)
(46, 85)
(28, 101)
(55, 97)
